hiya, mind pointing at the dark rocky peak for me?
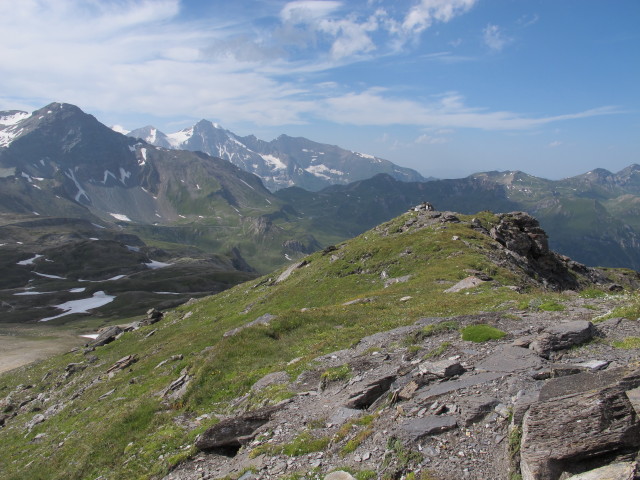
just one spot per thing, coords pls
(527, 245)
(61, 141)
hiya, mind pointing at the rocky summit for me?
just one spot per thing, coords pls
(434, 346)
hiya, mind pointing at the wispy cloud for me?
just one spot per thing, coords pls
(494, 38)
(447, 110)
(141, 56)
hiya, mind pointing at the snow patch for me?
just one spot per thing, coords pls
(13, 118)
(132, 249)
(120, 216)
(92, 336)
(153, 264)
(119, 129)
(124, 175)
(178, 138)
(365, 155)
(274, 162)
(55, 277)
(153, 134)
(82, 306)
(247, 184)
(143, 152)
(81, 191)
(77, 290)
(30, 260)
(106, 175)
(322, 170)
(117, 277)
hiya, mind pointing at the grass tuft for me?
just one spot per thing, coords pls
(481, 333)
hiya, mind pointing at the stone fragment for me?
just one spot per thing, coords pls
(441, 369)
(106, 335)
(416, 428)
(261, 320)
(509, 359)
(407, 392)
(339, 475)
(364, 397)
(568, 431)
(465, 284)
(615, 471)
(232, 433)
(562, 336)
(270, 379)
(476, 408)
(124, 362)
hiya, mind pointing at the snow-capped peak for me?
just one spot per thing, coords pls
(13, 117)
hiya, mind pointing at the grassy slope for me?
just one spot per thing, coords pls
(131, 433)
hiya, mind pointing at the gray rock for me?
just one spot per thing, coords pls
(615, 471)
(270, 379)
(339, 475)
(476, 408)
(232, 433)
(107, 335)
(416, 428)
(442, 369)
(262, 320)
(562, 336)
(509, 359)
(364, 397)
(567, 433)
(465, 284)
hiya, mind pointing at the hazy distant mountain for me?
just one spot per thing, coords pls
(593, 218)
(283, 162)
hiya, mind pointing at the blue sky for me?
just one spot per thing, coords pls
(448, 87)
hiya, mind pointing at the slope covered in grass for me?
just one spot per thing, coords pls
(77, 419)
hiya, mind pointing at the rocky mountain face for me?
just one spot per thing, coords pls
(437, 345)
(283, 162)
(87, 204)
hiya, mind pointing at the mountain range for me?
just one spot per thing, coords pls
(283, 162)
(73, 189)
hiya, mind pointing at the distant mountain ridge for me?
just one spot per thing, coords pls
(283, 162)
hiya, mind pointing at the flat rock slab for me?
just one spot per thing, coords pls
(465, 284)
(442, 369)
(416, 428)
(475, 408)
(562, 336)
(582, 382)
(261, 320)
(451, 386)
(235, 432)
(509, 359)
(615, 471)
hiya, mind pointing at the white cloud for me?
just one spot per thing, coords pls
(422, 15)
(140, 57)
(308, 11)
(494, 38)
(376, 107)
(554, 144)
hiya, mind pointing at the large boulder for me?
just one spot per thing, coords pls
(230, 434)
(562, 336)
(582, 422)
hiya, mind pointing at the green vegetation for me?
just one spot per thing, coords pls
(135, 433)
(481, 333)
(439, 350)
(592, 293)
(629, 343)
(335, 374)
(551, 306)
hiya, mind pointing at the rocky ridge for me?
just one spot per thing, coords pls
(477, 410)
